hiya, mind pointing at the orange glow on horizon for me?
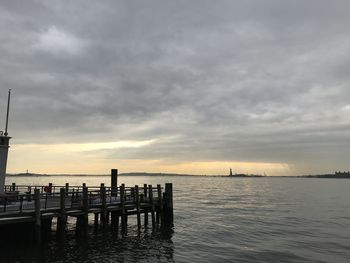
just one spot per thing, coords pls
(86, 159)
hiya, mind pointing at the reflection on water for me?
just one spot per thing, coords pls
(100, 246)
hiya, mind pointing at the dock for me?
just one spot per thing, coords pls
(33, 208)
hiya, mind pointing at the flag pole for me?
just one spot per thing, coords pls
(8, 111)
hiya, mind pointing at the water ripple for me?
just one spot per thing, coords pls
(225, 220)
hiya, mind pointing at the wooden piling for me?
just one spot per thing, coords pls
(132, 193)
(82, 220)
(67, 188)
(168, 205)
(137, 201)
(62, 218)
(159, 217)
(114, 182)
(37, 215)
(122, 205)
(104, 206)
(145, 198)
(150, 194)
(85, 208)
(73, 197)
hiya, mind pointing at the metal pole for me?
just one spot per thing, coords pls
(8, 110)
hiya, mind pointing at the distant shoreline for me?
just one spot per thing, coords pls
(327, 176)
(121, 174)
(136, 174)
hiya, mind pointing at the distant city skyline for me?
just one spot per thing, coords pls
(259, 86)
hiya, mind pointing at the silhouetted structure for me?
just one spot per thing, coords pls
(29, 210)
(244, 175)
(337, 174)
(344, 174)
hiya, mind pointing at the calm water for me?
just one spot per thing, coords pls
(219, 220)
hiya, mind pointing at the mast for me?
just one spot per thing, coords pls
(8, 111)
(4, 148)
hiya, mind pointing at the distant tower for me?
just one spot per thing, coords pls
(230, 171)
(4, 148)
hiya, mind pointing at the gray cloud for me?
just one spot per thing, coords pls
(262, 81)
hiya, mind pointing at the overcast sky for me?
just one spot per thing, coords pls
(177, 86)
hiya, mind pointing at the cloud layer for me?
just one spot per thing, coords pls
(225, 81)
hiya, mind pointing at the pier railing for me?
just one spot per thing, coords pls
(34, 207)
(20, 198)
(50, 188)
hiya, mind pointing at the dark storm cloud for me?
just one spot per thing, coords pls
(225, 80)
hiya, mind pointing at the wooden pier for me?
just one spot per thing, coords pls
(35, 207)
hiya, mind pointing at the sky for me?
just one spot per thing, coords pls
(201, 86)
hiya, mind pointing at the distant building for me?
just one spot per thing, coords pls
(339, 173)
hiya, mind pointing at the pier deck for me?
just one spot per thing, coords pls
(38, 205)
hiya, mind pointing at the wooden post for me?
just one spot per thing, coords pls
(150, 194)
(72, 197)
(137, 199)
(114, 182)
(104, 206)
(122, 205)
(13, 188)
(168, 205)
(125, 193)
(37, 215)
(160, 205)
(82, 220)
(62, 219)
(145, 199)
(85, 208)
(67, 188)
(145, 190)
(132, 193)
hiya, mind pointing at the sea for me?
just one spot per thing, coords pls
(216, 219)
